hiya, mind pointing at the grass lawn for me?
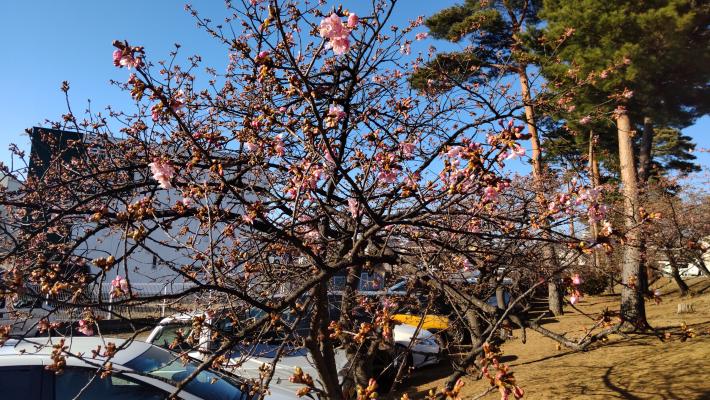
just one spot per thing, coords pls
(634, 367)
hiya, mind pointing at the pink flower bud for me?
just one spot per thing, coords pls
(353, 20)
(576, 280)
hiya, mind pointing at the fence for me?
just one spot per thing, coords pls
(104, 304)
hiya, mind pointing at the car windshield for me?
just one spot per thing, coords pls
(169, 333)
(207, 384)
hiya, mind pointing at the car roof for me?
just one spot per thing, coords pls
(182, 317)
(43, 347)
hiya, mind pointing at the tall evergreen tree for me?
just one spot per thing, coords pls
(646, 63)
(497, 31)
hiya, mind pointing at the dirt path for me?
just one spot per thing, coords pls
(637, 367)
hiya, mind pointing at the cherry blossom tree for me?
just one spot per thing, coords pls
(308, 157)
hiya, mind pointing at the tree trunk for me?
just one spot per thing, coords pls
(321, 347)
(548, 252)
(599, 257)
(645, 151)
(633, 309)
(703, 267)
(359, 370)
(675, 273)
(644, 171)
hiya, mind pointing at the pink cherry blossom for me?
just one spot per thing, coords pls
(162, 172)
(117, 54)
(454, 151)
(279, 147)
(85, 328)
(262, 55)
(387, 176)
(490, 193)
(332, 27)
(340, 45)
(337, 34)
(120, 285)
(156, 111)
(573, 299)
(125, 58)
(353, 20)
(407, 149)
(516, 151)
(177, 102)
(576, 280)
(406, 48)
(421, 36)
(585, 120)
(336, 111)
(250, 147)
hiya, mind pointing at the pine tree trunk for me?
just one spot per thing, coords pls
(644, 171)
(600, 258)
(548, 252)
(594, 172)
(633, 309)
(645, 151)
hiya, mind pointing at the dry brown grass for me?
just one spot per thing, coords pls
(636, 367)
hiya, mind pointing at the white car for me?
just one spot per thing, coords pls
(140, 371)
(248, 362)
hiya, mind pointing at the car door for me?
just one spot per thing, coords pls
(87, 385)
(22, 382)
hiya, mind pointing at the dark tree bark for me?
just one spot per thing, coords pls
(645, 159)
(599, 258)
(321, 347)
(633, 308)
(360, 367)
(675, 273)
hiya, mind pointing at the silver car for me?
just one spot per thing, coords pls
(139, 371)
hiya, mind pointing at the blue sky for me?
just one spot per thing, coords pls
(45, 42)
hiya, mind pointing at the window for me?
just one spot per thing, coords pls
(207, 384)
(169, 333)
(75, 380)
(21, 383)
(370, 282)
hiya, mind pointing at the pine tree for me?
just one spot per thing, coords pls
(645, 63)
(497, 31)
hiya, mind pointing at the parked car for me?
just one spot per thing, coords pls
(247, 361)
(140, 371)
